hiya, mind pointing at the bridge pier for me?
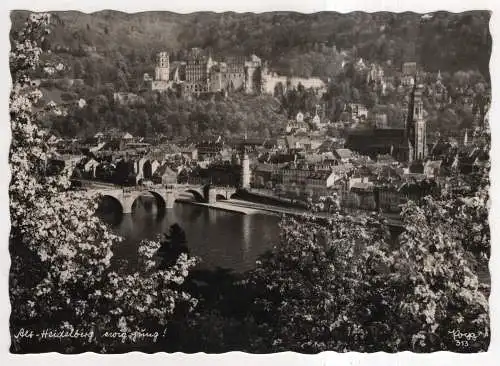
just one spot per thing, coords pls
(169, 199)
(127, 202)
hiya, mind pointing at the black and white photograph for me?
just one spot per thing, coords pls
(261, 182)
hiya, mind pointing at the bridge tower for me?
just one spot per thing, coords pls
(212, 195)
(245, 171)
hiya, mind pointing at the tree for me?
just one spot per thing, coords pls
(435, 263)
(61, 252)
(340, 285)
(309, 286)
(173, 246)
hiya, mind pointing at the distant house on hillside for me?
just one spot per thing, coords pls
(126, 98)
(409, 70)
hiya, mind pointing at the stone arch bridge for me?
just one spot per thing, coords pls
(165, 196)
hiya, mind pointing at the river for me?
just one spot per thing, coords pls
(219, 238)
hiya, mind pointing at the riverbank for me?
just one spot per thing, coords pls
(247, 207)
(224, 206)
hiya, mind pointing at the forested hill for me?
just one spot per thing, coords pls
(290, 41)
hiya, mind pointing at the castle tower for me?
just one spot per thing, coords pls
(162, 70)
(245, 171)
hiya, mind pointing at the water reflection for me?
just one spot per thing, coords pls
(247, 230)
(219, 238)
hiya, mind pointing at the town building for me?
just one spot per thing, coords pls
(358, 111)
(263, 175)
(375, 75)
(433, 168)
(164, 175)
(319, 181)
(302, 141)
(380, 120)
(209, 149)
(343, 155)
(439, 92)
(409, 70)
(297, 125)
(190, 152)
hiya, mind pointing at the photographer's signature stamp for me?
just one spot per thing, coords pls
(462, 339)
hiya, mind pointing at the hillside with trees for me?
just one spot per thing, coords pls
(258, 116)
(280, 37)
(108, 51)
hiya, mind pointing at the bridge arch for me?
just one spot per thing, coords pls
(220, 196)
(112, 198)
(197, 195)
(160, 200)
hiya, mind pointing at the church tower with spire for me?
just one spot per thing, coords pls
(416, 126)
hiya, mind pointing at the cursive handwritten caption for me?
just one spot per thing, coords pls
(87, 335)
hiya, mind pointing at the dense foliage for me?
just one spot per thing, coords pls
(174, 117)
(61, 276)
(344, 285)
